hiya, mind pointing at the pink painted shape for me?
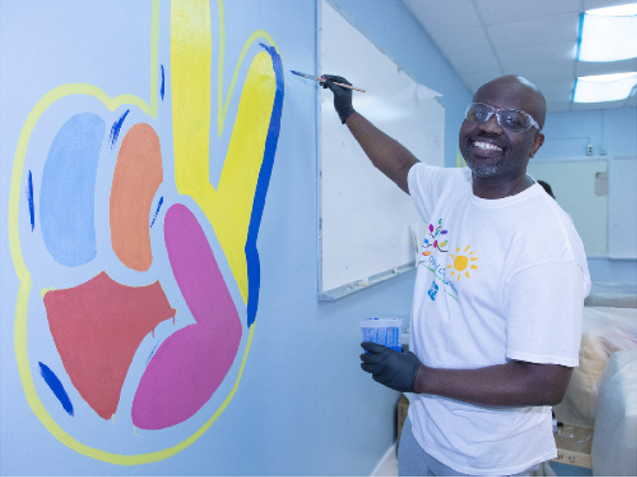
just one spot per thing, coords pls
(189, 365)
(97, 327)
(195, 268)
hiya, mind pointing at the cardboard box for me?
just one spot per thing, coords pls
(401, 415)
(574, 445)
(573, 442)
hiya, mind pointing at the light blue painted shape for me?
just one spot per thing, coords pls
(67, 197)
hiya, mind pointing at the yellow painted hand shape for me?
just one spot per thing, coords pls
(230, 206)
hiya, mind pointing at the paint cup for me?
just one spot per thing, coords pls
(384, 331)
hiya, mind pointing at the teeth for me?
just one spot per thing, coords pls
(486, 145)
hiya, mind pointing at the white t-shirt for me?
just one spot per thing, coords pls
(497, 280)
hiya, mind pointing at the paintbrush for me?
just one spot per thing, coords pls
(322, 80)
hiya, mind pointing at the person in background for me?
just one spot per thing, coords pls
(498, 297)
(547, 187)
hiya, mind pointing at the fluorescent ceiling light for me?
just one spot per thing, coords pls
(595, 89)
(608, 34)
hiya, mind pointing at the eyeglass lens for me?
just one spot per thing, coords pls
(510, 119)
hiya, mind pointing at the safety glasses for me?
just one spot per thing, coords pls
(510, 119)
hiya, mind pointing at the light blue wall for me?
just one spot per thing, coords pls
(303, 406)
(567, 135)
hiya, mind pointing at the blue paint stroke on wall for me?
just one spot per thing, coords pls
(161, 201)
(30, 198)
(152, 352)
(117, 126)
(67, 198)
(56, 386)
(162, 90)
(252, 254)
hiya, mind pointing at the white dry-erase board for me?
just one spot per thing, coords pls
(581, 188)
(366, 221)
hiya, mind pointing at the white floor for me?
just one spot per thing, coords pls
(388, 465)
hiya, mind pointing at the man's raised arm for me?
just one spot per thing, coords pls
(388, 155)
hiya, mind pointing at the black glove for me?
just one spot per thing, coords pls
(389, 367)
(342, 96)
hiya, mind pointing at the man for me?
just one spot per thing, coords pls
(499, 292)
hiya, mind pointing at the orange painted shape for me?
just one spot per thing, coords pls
(97, 328)
(137, 177)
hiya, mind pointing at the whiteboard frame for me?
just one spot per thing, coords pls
(424, 98)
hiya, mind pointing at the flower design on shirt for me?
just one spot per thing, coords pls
(462, 262)
(435, 238)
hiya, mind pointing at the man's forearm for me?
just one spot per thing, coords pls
(388, 155)
(513, 384)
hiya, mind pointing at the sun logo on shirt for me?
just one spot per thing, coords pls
(462, 263)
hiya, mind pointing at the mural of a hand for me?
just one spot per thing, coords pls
(190, 365)
(98, 324)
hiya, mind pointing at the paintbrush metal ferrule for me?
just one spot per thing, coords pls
(322, 80)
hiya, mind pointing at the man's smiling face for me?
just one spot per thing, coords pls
(491, 151)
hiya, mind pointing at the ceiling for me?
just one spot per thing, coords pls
(537, 39)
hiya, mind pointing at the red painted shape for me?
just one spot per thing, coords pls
(97, 327)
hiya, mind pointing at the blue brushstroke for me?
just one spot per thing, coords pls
(67, 194)
(161, 201)
(117, 126)
(163, 82)
(152, 352)
(252, 254)
(30, 197)
(56, 386)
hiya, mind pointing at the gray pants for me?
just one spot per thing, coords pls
(413, 460)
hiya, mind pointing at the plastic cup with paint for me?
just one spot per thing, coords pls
(384, 331)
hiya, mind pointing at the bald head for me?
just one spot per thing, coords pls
(515, 92)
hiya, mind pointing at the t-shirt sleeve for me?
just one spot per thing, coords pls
(545, 312)
(426, 184)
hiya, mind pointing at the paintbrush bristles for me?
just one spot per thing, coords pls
(322, 80)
